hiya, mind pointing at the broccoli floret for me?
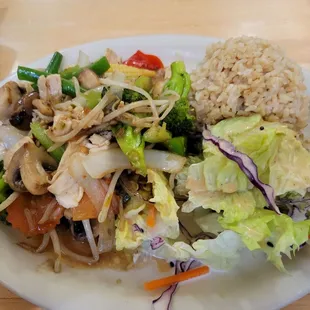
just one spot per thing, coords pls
(180, 81)
(179, 121)
(132, 96)
(132, 145)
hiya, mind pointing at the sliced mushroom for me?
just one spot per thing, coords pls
(89, 79)
(9, 95)
(12, 174)
(26, 169)
(22, 111)
(32, 171)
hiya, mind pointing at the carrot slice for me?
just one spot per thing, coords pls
(36, 207)
(85, 210)
(151, 216)
(159, 283)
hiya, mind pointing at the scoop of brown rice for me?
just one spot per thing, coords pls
(247, 75)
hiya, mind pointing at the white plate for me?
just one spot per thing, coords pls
(255, 284)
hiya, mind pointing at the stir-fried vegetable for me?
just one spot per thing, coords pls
(54, 64)
(129, 95)
(32, 75)
(132, 144)
(85, 210)
(27, 211)
(99, 67)
(144, 82)
(39, 132)
(4, 187)
(5, 192)
(146, 61)
(177, 145)
(130, 71)
(92, 98)
(180, 121)
(157, 134)
(104, 162)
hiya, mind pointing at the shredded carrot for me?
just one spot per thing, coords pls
(151, 216)
(159, 283)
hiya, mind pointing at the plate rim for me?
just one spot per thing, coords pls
(65, 50)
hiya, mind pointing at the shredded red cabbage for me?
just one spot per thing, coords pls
(170, 291)
(157, 242)
(137, 228)
(246, 164)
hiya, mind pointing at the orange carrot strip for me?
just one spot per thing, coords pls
(151, 216)
(85, 210)
(159, 283)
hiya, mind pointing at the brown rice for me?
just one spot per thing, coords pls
(247, 75)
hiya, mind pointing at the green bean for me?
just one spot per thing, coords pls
(54, 64)
(68, 73)
(45, 141)
(99, 67)
(32, 75)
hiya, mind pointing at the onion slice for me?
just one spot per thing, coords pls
(246, 164)
(102, 163)
(92, 187)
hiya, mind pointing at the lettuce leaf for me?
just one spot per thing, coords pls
(131, 227)
(220, 253)
(272, 233)
(208, 221)
(164, 202)
(181, 177)
(281, 159)
(125, 235)
(235, 207)
(218, 184)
